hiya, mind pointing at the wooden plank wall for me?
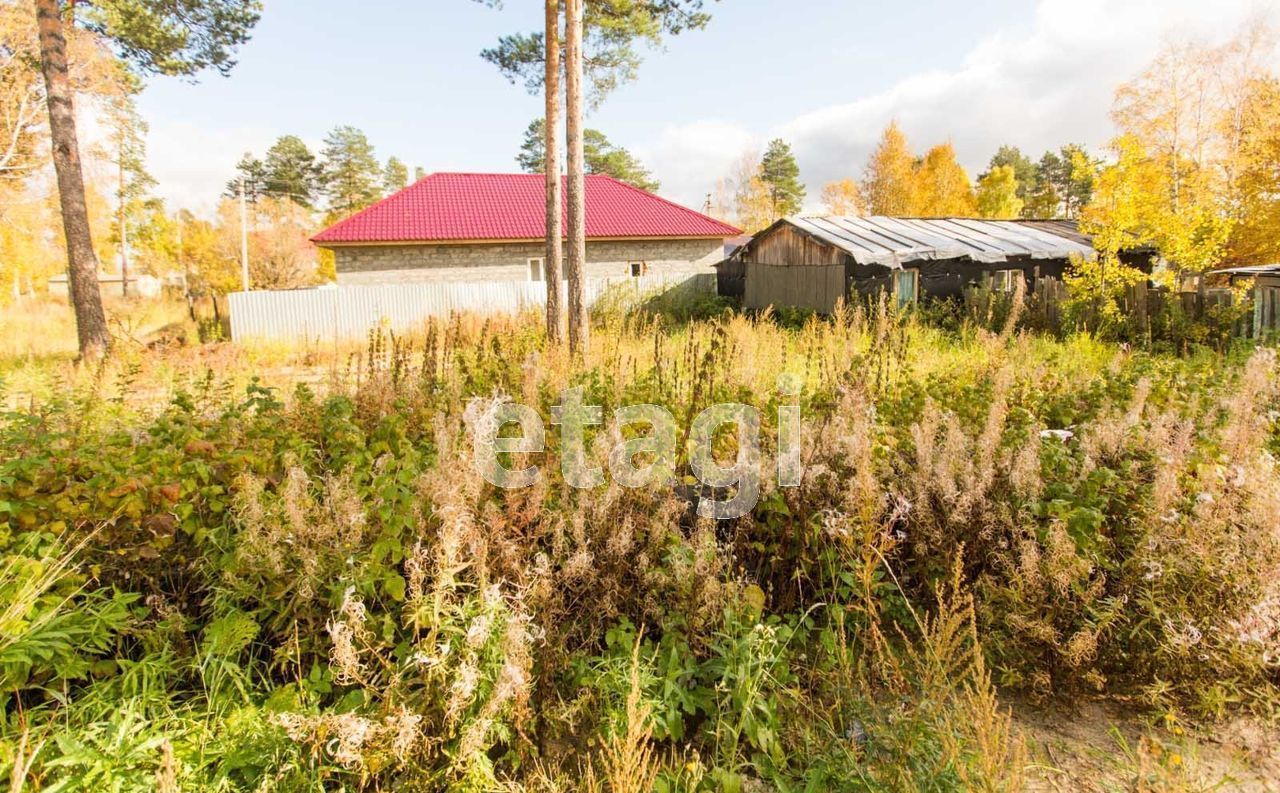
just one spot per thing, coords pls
(819, 287)
(788, 247)
(1266, 310)
(1048, 294)
(731, 278)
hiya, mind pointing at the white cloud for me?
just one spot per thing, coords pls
(1037, 89)
(1036, 86)
(191, 164)
(689, 158)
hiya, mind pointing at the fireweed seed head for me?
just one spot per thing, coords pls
(789, 384)
(573, 417)
(744, 475)
(659, 447)
(789, 464)
(487, 419)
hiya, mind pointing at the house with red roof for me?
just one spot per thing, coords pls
(486, 227)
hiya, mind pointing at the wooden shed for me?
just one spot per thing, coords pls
(813, 262)
(1266, 294)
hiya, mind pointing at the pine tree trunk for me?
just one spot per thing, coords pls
(82, 262)
(579, 330)
(551, 270)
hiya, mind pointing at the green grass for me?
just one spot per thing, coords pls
(296, 580)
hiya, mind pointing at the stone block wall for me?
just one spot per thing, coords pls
(384, 264)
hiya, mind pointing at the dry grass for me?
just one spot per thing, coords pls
(938, 546)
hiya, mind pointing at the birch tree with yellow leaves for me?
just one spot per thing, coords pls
(896, 182)
(29, 248)
(752, 203)
(1200, 116)
(843, 198)
(889, 186)
(998, 193)
(1255, 237)
(1126, 211)
(941, 185)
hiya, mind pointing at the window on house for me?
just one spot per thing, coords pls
(638, 269)
(1005, 280)
(535, 269)
(906, 287)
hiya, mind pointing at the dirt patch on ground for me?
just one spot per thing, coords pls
(1104, 747)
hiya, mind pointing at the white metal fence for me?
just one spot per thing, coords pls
(347, 312)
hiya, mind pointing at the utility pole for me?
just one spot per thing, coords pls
(244, 238)
(124, 233)
(182, 261)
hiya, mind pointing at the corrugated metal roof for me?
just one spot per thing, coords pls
(512, 206)
(1063, 228)
(891, 242)
(1255, 269)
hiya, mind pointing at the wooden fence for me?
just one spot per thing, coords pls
(820, 287)
(350, 312)
(1266, 308)
(1142, 306)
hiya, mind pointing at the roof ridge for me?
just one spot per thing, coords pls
(1071, 221)
(669, 202)
(523, 174)
(468, 205)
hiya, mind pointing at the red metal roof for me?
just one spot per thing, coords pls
(512, 206)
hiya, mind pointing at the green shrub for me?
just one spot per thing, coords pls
(317, 590)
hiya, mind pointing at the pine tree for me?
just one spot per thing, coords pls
(576, 236)
(603, 157)
(253, 174)
(352, 176)
(395, 176)
(155, 37)
(600, 156)
(553, 188)
(532, 157)
(1043, 198)
(610, 31)
(781, 174)
(291, 171)
(1024, 170)
(1079, 173)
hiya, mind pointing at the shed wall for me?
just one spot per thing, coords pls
(778, 259)
(818, 287)
(785, 246)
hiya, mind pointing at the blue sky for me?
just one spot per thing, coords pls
(825, 75)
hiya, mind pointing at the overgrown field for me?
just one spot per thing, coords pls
(262, 589)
